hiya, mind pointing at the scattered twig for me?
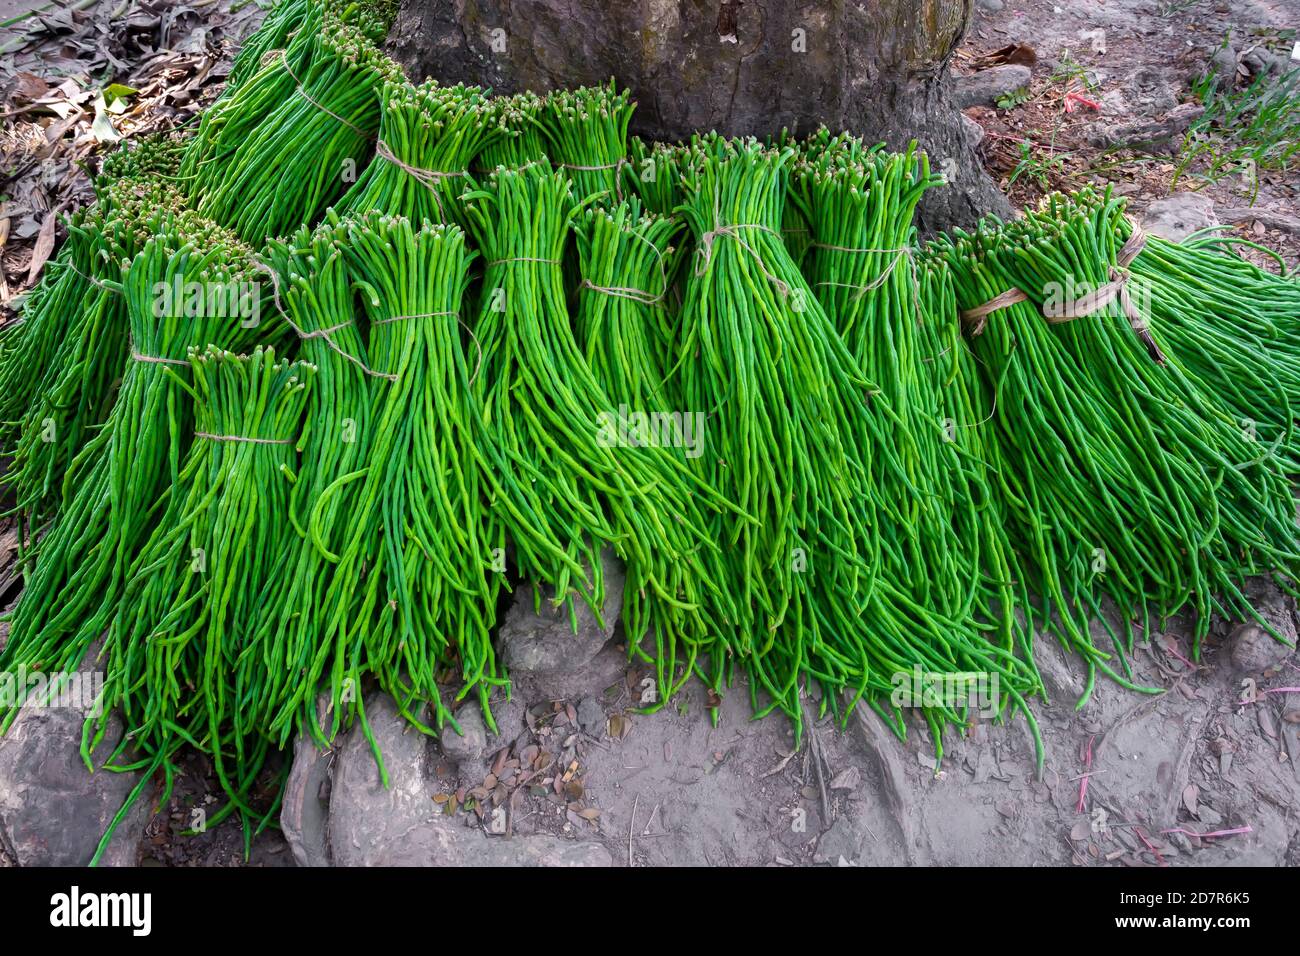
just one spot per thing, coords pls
(636, 800)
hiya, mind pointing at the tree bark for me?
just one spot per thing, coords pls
(878, 68)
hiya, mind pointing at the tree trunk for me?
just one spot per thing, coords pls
(876, 67)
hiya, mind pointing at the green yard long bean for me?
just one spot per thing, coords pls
(182, 663)
(186, 286)
(427, 136)
(562, 486)
(303, 603)
(83, 327)
(795, 444)
(1122, 476)
(308, 118)
(586, 136)
(421, 525)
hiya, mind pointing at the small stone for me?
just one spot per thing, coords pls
(1178, 216)
(1224, 64)
(466, 746)
(991, 6)
(986, 87)
(1254, 651)
(838, 841)
(591, 716)
(544, 641)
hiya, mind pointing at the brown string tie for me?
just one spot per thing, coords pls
(975, 319)
(428, 177)
(322, 334)
(1116, 288)
(705, 250)
(617, 167)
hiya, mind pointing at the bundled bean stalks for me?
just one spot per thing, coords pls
(420, 530)
(307, 118)
(1122, 476)
(655, 175)
(71, 377)
(427, 136)
(277, 30)
(1229, 325)
(182, 662)
(302, 600)
(860, 203)
(517, 132)
(796, 440)
(30, 347)
(586, 136)
(966, 408)
(188, 284)
(561, 484)
(623, 324)
(288, 17)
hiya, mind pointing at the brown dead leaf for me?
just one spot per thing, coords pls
(499, 763)
(619, 726)
(441, 798)
(29, 86)
(846, 779)
(574, 790)
(44, 246)
(1080, 831)
(490, 781)
(1191, 793)
(590, 813)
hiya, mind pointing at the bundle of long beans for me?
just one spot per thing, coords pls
(427, 136)
(182, 660)
(285, 19)
(966, 406)
(795, 443)
(236, 115)
(302, 602)
(859, 205)
(1122, 476)
(623, 324)
(307, 119)
(420, 526)
(29, 346)
(586, 136)
(1230, 325)
(517, 132)
(83, 327)
(33, 346)
(559, 482)
(655, 174)
(127, 468)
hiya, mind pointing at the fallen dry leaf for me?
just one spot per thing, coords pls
(44, 246)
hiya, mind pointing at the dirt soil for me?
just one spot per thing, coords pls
(1128, 780)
